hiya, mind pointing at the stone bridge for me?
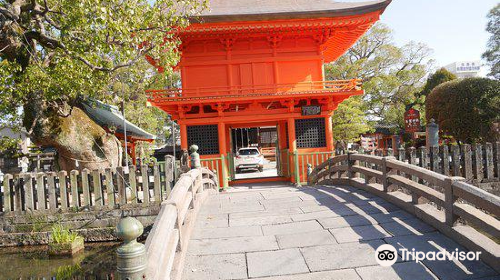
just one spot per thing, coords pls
(329, 230)
(325, 232)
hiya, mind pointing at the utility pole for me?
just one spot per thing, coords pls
(174, 145)
(124, 126)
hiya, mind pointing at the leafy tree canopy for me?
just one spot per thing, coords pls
(391, 75)
(58, 50)
(440, 76)
(466, 109)
(53, 53)
(492, 54)
(349, 121)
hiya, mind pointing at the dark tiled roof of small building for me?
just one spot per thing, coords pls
(255, 10)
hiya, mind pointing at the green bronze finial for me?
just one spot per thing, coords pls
(129, 229)
(195, 157)
(131, 256)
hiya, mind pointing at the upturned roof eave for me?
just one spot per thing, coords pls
(326, 13)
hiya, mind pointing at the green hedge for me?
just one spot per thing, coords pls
(466, 109)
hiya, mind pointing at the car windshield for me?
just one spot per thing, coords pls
(249, 152)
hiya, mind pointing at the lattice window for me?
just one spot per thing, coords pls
(310, 133)
(206, 137)
(268, 136)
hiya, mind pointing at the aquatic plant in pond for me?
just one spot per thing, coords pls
(64, 242)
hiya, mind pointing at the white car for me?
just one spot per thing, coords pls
(248, 159)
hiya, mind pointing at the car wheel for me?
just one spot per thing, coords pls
(261, 169)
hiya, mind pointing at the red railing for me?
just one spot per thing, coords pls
(177, 94)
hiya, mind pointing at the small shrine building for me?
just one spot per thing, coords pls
(251, 63)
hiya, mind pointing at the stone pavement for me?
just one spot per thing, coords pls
(279, 232)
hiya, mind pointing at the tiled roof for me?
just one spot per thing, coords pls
(249, 10)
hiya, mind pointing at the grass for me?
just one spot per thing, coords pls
(62, 235)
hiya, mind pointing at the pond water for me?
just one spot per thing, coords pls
(98, 261)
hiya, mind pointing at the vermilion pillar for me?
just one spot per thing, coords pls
(222, 151)
(293, 150)
(222, 138)
(329, 133)
(184, 139)
(292, 143)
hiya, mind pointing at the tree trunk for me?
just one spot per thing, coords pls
(79, 141)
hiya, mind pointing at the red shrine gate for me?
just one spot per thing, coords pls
(242, 67)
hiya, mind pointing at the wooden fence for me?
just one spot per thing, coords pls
(478, 163)
(88, 189)
(460, 210)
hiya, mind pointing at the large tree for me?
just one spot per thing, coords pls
(55, 53)
(492, 54)
(349, 121)
(440, 76)
(391, 74)
(466, 109)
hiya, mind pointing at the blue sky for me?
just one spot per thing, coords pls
(454, 29)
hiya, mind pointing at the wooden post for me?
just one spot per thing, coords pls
(467, 161)
(97, 183)
(401, 154)
(496, 158)
(449, 200)
(145, 184)
(412, 159)
(445, 160)
(75, 196)
(412, 156)
(63, 188)
(385, 173)
(86, 188)
(28, 192)
(455, 160)
(120, 182)
(477, 163)
(157, 185)
(422, 156)
(40, 191)
(110, 188)
(350, 163)
(132, 181)
(490, 168)
(51, 186)
(435, 166)
(7, 194)
(18, 192)
(170, 175)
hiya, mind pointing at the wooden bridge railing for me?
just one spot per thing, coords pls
(163, 255)
(84, 190)
(478, 163)
(461, 211)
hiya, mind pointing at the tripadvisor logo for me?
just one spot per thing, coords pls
(387, 255)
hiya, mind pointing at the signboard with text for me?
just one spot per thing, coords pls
(412, 121)
(311, 110)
